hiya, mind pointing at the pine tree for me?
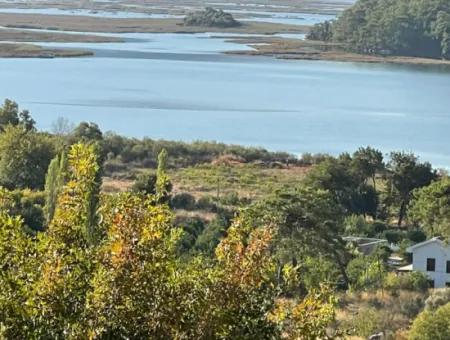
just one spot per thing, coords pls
(54, 181)
(163, 185)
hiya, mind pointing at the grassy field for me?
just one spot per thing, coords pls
(247, 181)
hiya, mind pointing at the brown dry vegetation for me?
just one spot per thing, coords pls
(183, 6)
(364, 313)
(118, 25)
(10, 50)
(30, 36)
(246, 180)
(314, 50)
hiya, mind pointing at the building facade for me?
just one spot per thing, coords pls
(432, 258)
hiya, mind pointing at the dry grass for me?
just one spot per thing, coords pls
(111, 185)
(118, 25)
(30, 36)
(204, 215)
(314, 50)
(246, 180)
(365, 313)
(11, 50)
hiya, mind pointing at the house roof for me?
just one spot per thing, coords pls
(406, 268)
(421, 244)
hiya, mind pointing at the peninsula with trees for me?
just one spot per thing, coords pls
(393, 31)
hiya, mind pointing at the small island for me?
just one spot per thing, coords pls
(211, 17)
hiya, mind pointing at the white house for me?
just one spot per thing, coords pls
(432, 257)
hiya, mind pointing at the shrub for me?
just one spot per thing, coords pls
(145, 183)
(438, 297)
(206, 203)
(231, 198)
(367, 322)
(416, 236)
(431, 325)
(183, 201)
(414, 281)
(392, 236)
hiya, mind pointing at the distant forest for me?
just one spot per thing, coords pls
(418, 28)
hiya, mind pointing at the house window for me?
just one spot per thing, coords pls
(431, 283)
(447, 284)
(448, 266)
(431, 265)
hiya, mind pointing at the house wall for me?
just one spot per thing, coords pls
(441, 254)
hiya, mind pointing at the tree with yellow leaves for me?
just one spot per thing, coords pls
(107, 268)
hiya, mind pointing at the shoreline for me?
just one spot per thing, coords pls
(17, 29)
(290, 49)
(14, 50)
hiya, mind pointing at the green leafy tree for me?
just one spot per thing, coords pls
(163, 185)
(210, 237)
(10, 115)
(431, 325)
(67, 252)
(309, 224)
(368, 162)
(145, 183)
(344, 181)
(87, 132)
(54, 182)
(211, 17)
(430, 208)
(406, 173)
(121, 277)
(399, 27)
(24, 158)
(18, 269)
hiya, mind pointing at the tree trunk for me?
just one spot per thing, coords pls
(401, 213)
(341, 268)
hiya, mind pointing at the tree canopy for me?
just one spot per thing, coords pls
(430, 208)
(107, 268)
(399, 27)
(24, 157)
(210, 17)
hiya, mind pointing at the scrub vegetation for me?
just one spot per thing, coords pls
(207, 240)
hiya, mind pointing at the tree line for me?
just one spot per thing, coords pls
(419, 28)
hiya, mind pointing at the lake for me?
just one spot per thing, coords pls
(179, 86)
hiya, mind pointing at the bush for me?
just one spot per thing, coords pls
(367, 322)
(211, 235)
(231, 198)
(206, 203)
(393, 236)
(145, 183)
(416, 236)
(192, 228)
(183, 201)
(431, 325)
(438, 297)
(414, 281)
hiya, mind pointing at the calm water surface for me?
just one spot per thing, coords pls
(180, 87)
